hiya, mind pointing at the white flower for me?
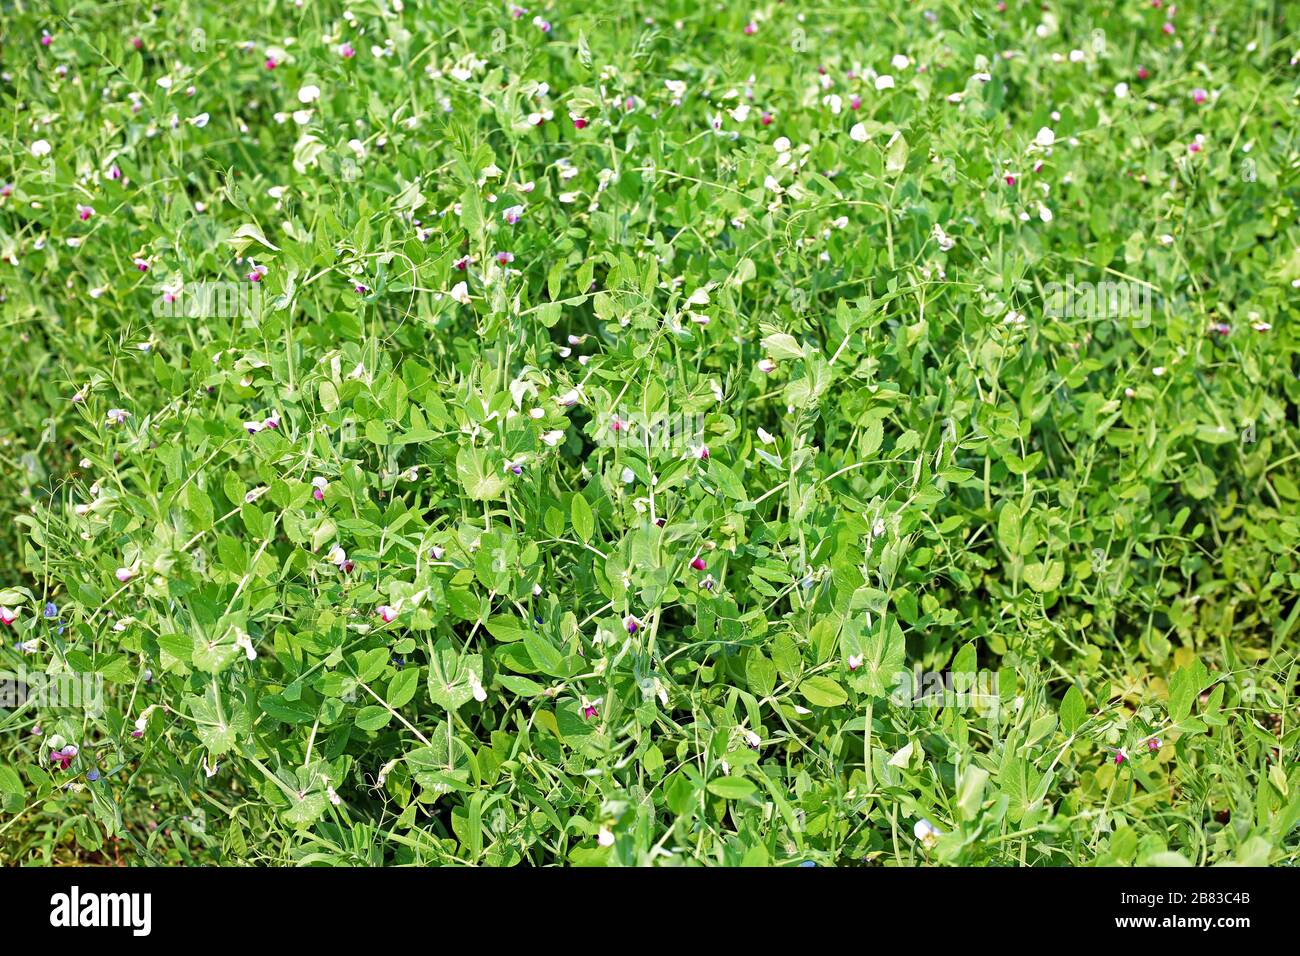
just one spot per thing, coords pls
(1158, 371)
(605, 837)
(782, 144)
(628, 476)
(40, 148)
(884, 82)
(1044, 213)
(926, 832)
(245, 643)
(1121, 90)
(460, 292)
(1045, 137)
(309, 94)
(858, 134)
(553, 438)
(900, 62)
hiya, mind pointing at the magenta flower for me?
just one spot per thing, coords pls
(751, 28)
(46, 39)
(589, 712)
(1168, 28)
(387, 613)
(1142, 73)
(85, 212)
(63, 758)
(270, 63)
(505, 258)
(346, 51)
(1153, 744)
(698, 563)
(1011, 180)
(766, 119)
(579, 122)
(855, 103)
(1120, 756)
(141, 264)
(137, 43)
(1199, 96)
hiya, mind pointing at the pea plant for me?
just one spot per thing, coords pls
(456, 433)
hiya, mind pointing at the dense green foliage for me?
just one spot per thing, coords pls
(452, 434)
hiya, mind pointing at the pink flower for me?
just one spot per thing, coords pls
(855, 103)
(63, 758)
(702, 452)
(271, 422)
(463, 263)
(387, 613)
(318, 486)
(8, 615)
(1120, 756)
(1168, 28)
(1199, 96)
(137, 43)
(346, 51)
(698, 563)
(256, 272)
(270, 63)
(505, 258)
(85, 212)
(46, 39)
(1142, 73)
(141, 264)
(589, 711)
(855, 661)
(766, 119)
(543, 25)
(579, 122)
(751, 28)
(1153, 744)
(1011, 180)
(513, 214)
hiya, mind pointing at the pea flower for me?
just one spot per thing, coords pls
(255, 272)
(318, 486)
(309, 94)
(387, 613)
(125, 574)
(698, 563)
(513, 214)
(117, 416)
(1153, 744)
(85, 212)
(605, 837)
(63, 758)
(926, 832)
(1199, 96)
(632, 624)
(1120, 756)
(8, 614)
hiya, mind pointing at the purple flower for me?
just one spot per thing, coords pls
(51, 609)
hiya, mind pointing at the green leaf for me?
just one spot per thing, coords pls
(583, 521)
(822, 691)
